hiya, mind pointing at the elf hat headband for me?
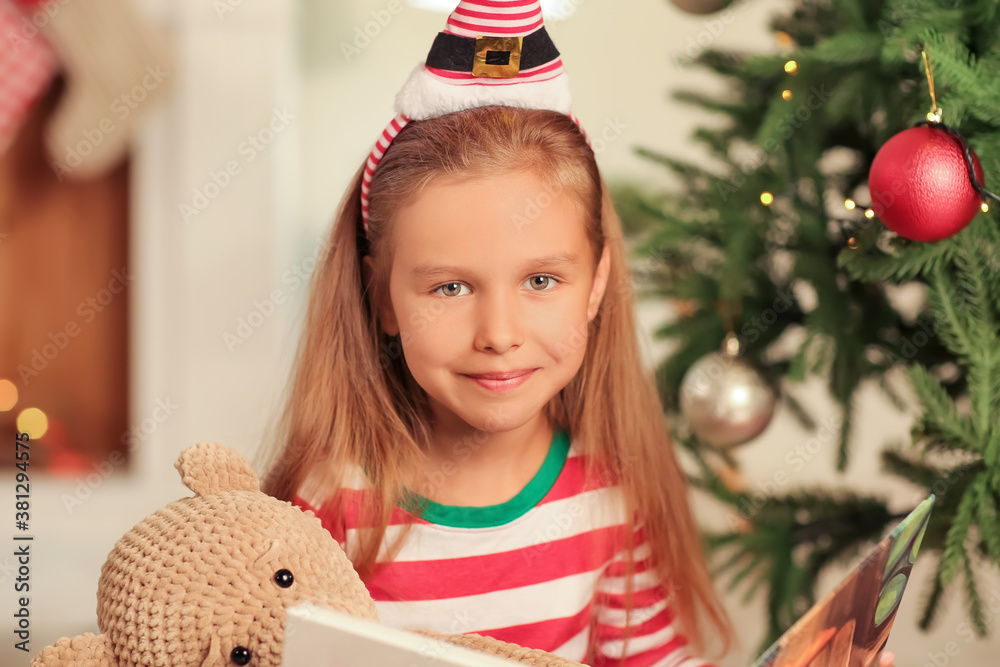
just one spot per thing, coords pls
(492, 52)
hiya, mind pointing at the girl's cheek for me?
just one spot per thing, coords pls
(426, 315)
(564, 333)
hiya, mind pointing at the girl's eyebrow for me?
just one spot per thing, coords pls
(557, 261)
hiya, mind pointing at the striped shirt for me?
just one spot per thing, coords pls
(543, 570)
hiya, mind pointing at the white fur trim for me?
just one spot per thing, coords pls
(426, 96)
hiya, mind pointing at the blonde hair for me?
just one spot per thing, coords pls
(353, 402)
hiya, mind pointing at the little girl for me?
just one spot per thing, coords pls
(468, 414)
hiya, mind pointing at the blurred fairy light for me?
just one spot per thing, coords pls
(766, 198)
(786, 94)
(551, 9)
(869, 213)
(33, 422)
(791, 67)
(849, 204)
(8, 395)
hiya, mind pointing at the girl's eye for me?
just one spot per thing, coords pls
(449, 289)
(538, 283)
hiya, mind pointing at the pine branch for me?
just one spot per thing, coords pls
(988, 519)
(845, 433)
(972, 595)
(953, 318)
(940, 413)
(932, 603)
(910, 261)
(920, 473)
(885, 385)
(846, 48)
(954, 553)
(797, 410)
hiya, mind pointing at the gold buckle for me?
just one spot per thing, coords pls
(510, 45)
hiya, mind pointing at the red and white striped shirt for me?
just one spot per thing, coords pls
(543, 570)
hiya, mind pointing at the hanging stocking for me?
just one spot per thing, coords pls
(116, 66)
(27, 65)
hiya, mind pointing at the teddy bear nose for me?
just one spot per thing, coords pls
(240, 655)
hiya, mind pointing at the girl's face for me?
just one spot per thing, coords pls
(492, 276)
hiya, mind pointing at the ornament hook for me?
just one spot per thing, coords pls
(936, 114)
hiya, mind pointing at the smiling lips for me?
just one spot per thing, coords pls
(505, 375)
(504, 381)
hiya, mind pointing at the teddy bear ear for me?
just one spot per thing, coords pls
(209, 467)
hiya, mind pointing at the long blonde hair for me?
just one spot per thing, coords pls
(352, 401)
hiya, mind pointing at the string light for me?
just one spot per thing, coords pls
(849, 204)
(8, 395)
(984, 207)
(791, 67)
(869, 213)
(33, 422)
(852, 243)
(784, 40)
(786, 94)
(766, 198)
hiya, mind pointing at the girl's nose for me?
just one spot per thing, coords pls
(498, 323)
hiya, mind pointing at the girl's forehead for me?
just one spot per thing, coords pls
(508, 218)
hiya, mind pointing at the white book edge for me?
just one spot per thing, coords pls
(324, 629)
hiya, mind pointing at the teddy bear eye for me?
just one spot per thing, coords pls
(284, 579)
(240, 655)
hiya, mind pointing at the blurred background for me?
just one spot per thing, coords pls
(155, 249)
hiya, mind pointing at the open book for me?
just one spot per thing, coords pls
(321, 637)
(848, 628)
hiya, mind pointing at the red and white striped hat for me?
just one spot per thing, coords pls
(491, 52)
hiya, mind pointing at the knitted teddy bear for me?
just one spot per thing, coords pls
(205, 581)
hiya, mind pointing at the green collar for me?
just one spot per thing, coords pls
(459, 516)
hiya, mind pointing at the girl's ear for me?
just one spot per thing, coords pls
(386, 315)
(600, 283)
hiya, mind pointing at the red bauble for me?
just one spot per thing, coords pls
(920, 186)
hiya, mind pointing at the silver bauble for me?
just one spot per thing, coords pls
(725, 400)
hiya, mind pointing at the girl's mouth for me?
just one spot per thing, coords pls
(501, 382)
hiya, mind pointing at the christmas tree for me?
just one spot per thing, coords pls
(790, 234)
